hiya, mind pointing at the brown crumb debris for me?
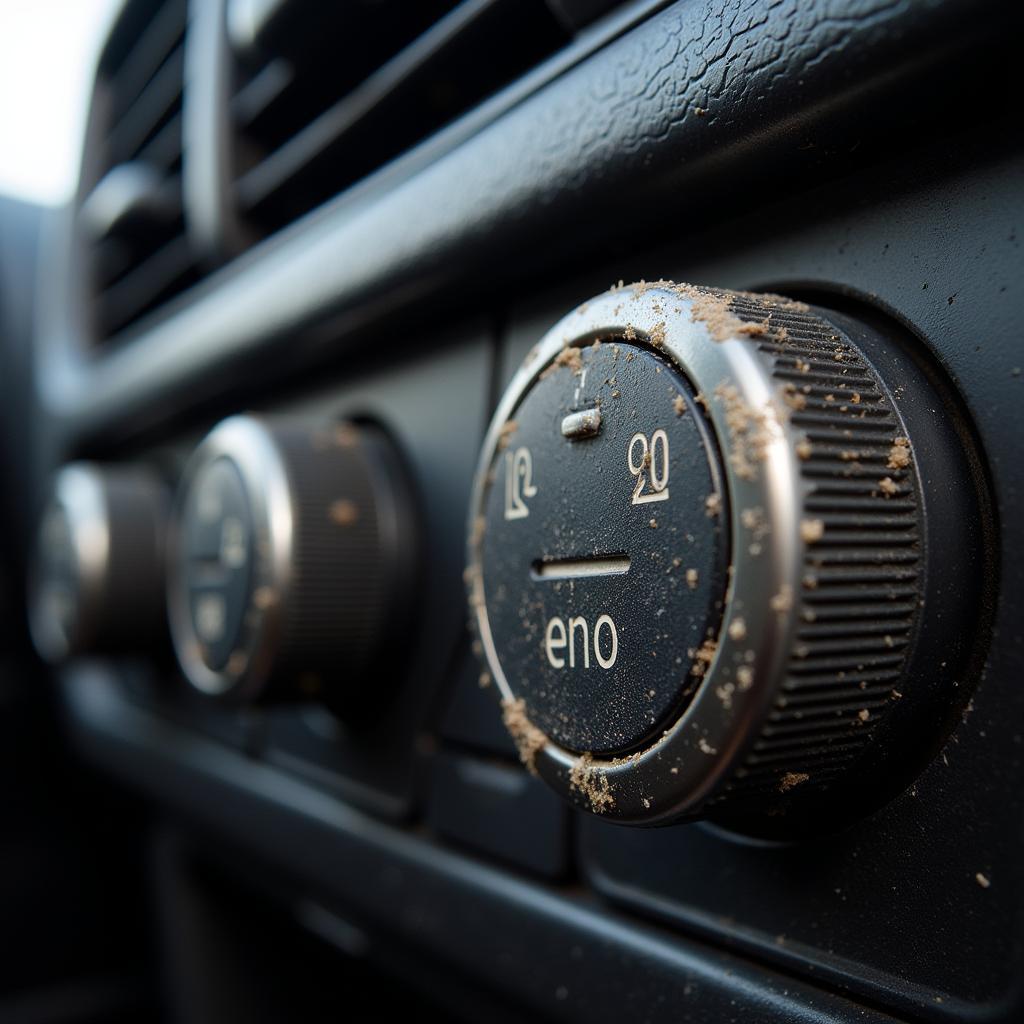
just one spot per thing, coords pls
(863, 714)
(899, 454)
(484, 680)
(753, 519)
(477, 533)
(679, 405)
(344, 512)
(804, 449)
(713, 504)
(737, 628)
(983, 880)
(745, 677)
(629, 333)
(812, 530)
(570, 357)
(703, 657)
(750, 431)
(346, 436)
(888, 486)
(657, 334)
(796, 400)
(506, 432)
(588, 779)
(783, 600)
(792, 779)
(692, 577)
(529, 740)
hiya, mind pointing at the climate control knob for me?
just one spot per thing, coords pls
(727, 556)
(96, 578)
(291, 557)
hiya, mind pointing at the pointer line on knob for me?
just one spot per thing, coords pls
(574, 568)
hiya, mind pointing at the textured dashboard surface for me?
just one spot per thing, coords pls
(699, 111)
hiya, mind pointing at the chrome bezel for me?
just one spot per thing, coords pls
(712, 736)
(249, 445)
(79, 492)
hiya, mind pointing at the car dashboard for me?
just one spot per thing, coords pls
(520, 512)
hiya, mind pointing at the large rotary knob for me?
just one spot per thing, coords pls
(727, 556)
(96, 577)
(291, 561)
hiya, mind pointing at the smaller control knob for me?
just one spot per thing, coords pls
(291, 557)
(96, 576)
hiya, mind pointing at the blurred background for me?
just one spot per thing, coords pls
(47, 54)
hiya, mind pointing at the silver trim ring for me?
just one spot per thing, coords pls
(77, 492)
(249, 445)
(677, 774)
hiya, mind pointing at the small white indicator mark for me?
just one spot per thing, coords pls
(585, 423)
(210, 614)
(232, 543)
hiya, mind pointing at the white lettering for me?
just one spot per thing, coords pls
(648, 452)
(557, 637)
(606, 620)
(581, 623)
(551, 644)
(519, 483)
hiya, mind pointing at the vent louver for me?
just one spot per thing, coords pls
(327, 93)
(131, 219)
(316, 96)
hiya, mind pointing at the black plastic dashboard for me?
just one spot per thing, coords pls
(861, 157)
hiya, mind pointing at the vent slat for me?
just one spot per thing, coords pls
(163, 151)
(164, 31)
(133, 222)
(149, 283)
(460, 60)
(153, 108)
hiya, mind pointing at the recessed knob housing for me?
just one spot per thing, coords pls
(727, 556)
(292, 555)
(96, 579)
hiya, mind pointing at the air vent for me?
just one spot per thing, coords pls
(132, 220)
(328, 92)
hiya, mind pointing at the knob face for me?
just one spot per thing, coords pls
(96, 576)
(602, 523)
(698, 556)
(291, 550)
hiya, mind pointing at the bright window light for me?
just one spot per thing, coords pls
(48, 51)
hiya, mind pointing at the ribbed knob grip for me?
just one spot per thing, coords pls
(96, 580)
(861, 588)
